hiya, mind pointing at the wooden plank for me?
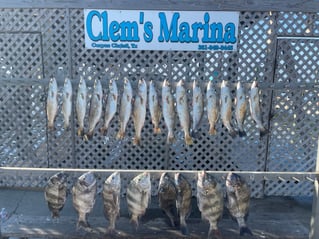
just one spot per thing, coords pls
(205, 5)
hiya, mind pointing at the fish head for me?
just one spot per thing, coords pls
(143, 181)
(58, 178)
(254, 84)
(206, 181)
(114, 179)
(164, 181)
(233, 181)
(53, 84)
(180, 181)
(180, 83)
(87, 179)
(238, 85)
(224, 83)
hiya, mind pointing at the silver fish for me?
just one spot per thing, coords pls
(138, 195)
(198, 107)
(81, 105)
(111, 199)
(182, 111)
(111, 106)
(52, 103)
(226, 108)
(84, 193)
(183, 200)
(67, 102)
(125, 108)
(95, 108)
(255, 108)
(241, 108)
(238, 199)
(168, 111)
(212, 107)
(55, 193)
(139, 111)
(210, 202)
(167, 195)
(154, 107)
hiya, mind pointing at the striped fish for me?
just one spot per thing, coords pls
(167, 194)
(183, 201)
(138, 195)
(238, 198)
(84, 192)
(111, 199)
(210, 202)
(55, 193)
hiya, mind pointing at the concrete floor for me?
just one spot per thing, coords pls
(271, 217)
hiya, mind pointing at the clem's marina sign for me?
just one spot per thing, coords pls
(161, 30)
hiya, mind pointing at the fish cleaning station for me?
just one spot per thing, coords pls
(159, 119)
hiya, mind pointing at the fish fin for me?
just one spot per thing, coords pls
(184, 230)
(212, 130)
(244, 230)
(188, 140)
(137, 141)
(214, 234)
(157, 130)
(242, 133)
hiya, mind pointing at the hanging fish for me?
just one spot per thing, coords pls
(255, 108)
(55, 193)
(238, 199)
(125, 108)
(168, 111)
(95, 108)
(139, 111)
(212, 107)
(210, 201)
(111, 199)
(182, 111)
(226, 108)
(241, 108)
(111, 106)
(138, 196)
(67, 102)
(154, 107)
(183, 200)
(52, 103)
(198, 107)
(81, 105)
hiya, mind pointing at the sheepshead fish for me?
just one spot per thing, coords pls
(52, 103)
(154, 107)
(168, 111)
(125, 108)
(212, 107)
(241, 108)
(67, 102)
(81, 105)
(95, 108)
(111, 106)
(167, 195)
(182, 111)
(198, 107)
(139, 111)
(255, 108)
(55, 193)
(225, 108)
(183, 200)
(111, 199)
(210, 202)
(138, 195)
(238, 198)
(84, 192)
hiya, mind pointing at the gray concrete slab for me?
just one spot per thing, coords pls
(271, 217)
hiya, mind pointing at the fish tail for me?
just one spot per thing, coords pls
(157, 130)
(51, 126)
(232, 132)
(137, 141)
(120, 135)
(214, 234)
(80, 131)
(82, 224)
(184, 229)
(212, 130)
(55, 214)
(134, 221)
(188, 139)
(170, 138)
(103, 130)
(263, 132)
(245, 229)
(66, 125)
(88, 135)
(242, 133)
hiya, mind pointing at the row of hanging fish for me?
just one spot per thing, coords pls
(172, 193)
(136, 106)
